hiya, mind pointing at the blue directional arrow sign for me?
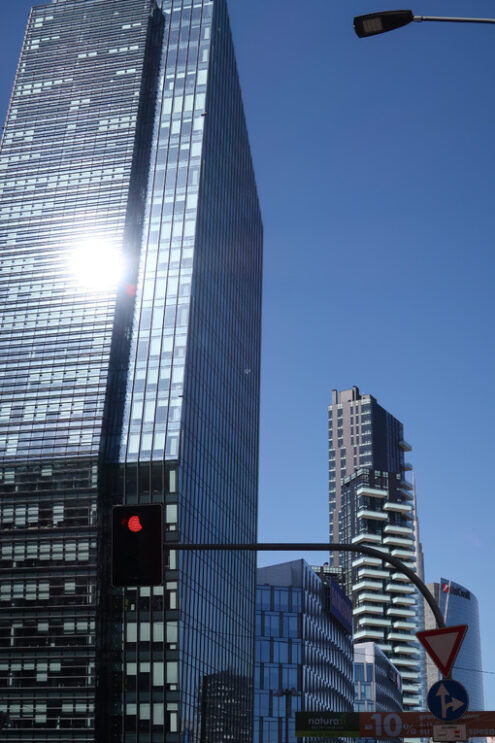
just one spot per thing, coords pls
(447, 700)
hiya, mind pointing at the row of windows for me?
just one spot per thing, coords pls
(63, 592)
(54, 631)
(278, 650)
(34, 552)
(67, 714)
(278, 624)
(17, 673)
(276, 676)
(279, 599)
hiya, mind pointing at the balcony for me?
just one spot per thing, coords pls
(408, 675)
(373, 622)
(411, 665)
(396, 529)
(365, 560)
(393, 611)
(373, 538)
(411, 688)
(398, 541)
(410, 695)
(405, 508)
(411, 701)
(372, 634)
(406, 556)
(406, 649)
(407, 466)
(370, 492)
(407, 661)
(400, 577)
(367, 609)
(372, 585)
(400, 588)
(373, 573)
(398, 637)
(380, 598)
(365, 513)
(403, 600)
(405, 625)
(405, 446)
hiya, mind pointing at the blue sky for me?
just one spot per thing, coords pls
(375, 162)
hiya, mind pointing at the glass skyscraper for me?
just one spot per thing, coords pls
(131, 248)
(459, 605)
(372, 504)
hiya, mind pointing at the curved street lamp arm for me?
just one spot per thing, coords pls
(323, 547)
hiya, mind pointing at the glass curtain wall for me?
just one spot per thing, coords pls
(190, 431)
(126, 139)
(78, 125)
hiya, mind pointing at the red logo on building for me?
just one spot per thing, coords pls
(445, 587)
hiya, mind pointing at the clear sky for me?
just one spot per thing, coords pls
(375, 165)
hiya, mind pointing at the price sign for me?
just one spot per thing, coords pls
(390, 725)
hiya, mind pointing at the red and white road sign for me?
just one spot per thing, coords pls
(442, 645)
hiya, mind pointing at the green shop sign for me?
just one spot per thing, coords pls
(327, 724)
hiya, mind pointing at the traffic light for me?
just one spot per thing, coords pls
(137, 545)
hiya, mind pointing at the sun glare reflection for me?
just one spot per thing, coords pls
(97, 265)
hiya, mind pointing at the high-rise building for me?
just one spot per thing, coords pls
(131, 248)
(303, 649)
(372, 504)
(459, 605)
(377, 683)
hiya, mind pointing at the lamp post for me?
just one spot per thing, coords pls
(288, 694)
(388, 20)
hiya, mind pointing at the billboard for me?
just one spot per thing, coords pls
(385, 724)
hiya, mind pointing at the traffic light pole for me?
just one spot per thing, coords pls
(323, 547)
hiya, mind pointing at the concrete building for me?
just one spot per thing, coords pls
(372, 504)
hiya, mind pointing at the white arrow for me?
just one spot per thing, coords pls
(453, 704)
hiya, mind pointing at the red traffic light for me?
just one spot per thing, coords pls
(134, 524)
(137, 545)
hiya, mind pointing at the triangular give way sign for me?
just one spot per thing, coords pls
(442, 645)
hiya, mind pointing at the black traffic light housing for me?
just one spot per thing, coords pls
(137, 545)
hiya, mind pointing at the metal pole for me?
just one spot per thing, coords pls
(322, 547)
(452, 19)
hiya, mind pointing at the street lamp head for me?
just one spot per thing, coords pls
(379, 23)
